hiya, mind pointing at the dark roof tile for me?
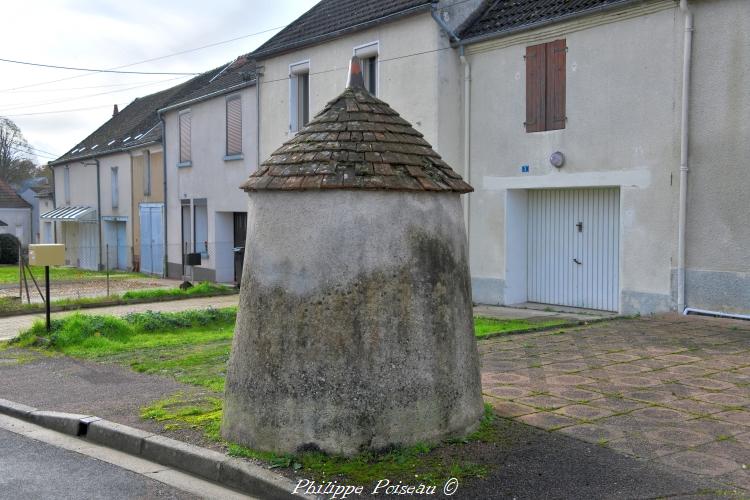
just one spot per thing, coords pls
(330, 17)
(500, 16)
(138, 123)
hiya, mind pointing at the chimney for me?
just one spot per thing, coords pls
(115, 110)
(355, 80)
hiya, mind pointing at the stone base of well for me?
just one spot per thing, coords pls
(354, 330)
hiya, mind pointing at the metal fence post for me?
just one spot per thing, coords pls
(107, 267)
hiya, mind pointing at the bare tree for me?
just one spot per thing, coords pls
(16, 162)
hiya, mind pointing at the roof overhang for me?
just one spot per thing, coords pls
(542, 23)
(206, 97)
(71, 214)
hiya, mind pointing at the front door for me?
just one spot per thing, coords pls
(573, 247)
(240, 232)
(117, 248)
(152, 242)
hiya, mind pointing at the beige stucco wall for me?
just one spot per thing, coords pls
(622, 130)
(418, 77)
(124, 207)
(718, 229)
(137, 194)
(210, 177)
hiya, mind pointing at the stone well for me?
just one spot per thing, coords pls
(354, 330)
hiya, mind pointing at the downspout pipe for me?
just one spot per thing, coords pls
(684, 159)
(454, 38)
(467, 136)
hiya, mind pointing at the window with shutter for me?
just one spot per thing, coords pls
(535, 87)
(115, 188)
(185, 137)
(545, 86)
(555, 105)
(234, 126)
(66, 184)
(147, 173)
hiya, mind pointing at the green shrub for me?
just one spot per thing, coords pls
(8, 249)
(204, 288)
(90, 330)
(150, 321)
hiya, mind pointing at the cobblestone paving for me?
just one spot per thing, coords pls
(670, 389)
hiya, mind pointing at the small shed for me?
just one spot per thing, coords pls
(354, 330)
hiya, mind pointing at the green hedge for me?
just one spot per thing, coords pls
(8, 249)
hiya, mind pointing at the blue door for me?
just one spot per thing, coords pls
(152, 238)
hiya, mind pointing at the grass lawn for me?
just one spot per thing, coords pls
(193, 347)
(490, 327)
(9, 274)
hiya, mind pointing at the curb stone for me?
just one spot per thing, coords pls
(208, 464)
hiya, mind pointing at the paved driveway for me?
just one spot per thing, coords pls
(675, 390)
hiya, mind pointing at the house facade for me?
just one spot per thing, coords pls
(408, 62)
(575, 154)
(211, 148)
(103, 184)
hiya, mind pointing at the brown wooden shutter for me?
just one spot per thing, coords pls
(234, 126)
(185, 137)
(535, 87)
(555, 105)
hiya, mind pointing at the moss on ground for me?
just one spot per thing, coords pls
(431, 464)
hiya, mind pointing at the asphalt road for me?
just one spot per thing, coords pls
(36, 470)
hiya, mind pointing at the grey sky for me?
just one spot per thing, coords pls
(106, 34)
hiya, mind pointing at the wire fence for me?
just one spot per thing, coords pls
(218, 261)
(100, 269)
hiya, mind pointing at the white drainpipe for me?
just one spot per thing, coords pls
(467, 115)
(467, 138)
(684, 131)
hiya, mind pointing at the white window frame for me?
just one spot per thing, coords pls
(115, 181)
(295, 69)
(368, 51)
(180, 161)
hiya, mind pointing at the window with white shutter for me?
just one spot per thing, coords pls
(147, 173)
(115, 188)
(234, 126)
(185, 137)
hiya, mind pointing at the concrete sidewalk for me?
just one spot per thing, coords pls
(11, 326)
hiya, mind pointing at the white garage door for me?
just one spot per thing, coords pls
(573, 247)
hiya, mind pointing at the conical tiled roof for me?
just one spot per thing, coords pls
(356, 142)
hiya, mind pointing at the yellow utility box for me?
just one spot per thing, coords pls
(47, 255)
